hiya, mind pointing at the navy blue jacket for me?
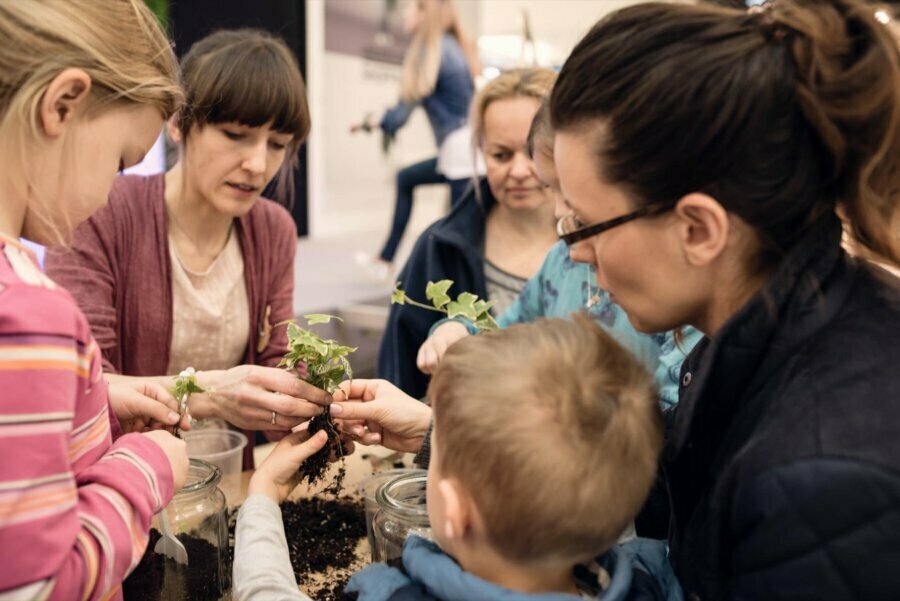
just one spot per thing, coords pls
(783, 456)
(451, 248)
(447, 106)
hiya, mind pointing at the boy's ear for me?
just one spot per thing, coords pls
(456, 509)
(173, 129)
(705, 228)
(65, 94)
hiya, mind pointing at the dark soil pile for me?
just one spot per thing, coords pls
(322, 538)
(158, 578)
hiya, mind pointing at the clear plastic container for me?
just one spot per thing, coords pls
(198, 519)
(368, 488)
(222, 448)
(402, 511)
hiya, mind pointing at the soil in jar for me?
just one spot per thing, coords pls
(157, 578)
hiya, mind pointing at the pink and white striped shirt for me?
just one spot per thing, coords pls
(75, 507)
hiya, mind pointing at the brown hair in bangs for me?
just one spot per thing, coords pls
(251, 77)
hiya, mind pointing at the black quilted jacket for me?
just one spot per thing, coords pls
(783, 455)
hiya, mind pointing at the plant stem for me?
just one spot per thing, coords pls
(410, 301)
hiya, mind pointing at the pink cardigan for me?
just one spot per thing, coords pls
(118, 269)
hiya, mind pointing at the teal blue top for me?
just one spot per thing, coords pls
(562, 287)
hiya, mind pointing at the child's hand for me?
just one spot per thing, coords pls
(277, 476)
(143, 406)
(432, 350)
(176, 452)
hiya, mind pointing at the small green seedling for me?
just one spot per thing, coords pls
(327, 366)
(466, 305)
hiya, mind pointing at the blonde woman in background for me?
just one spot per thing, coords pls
(85, 88)
(438, 73)
(496, 237)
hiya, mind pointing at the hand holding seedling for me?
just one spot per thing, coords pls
(377, 412)
(142, 406)
(247, 395)
(279, 474)
(326, 366)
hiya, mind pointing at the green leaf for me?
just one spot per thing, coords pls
(486, 324)
(398, 297)
(482, 306)
(436, 292)
(463, 306)
(317, 318)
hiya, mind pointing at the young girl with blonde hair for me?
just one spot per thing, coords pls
(84, 91)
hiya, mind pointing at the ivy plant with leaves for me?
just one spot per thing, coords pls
(326, 360)
(326, 366)
(466, 305)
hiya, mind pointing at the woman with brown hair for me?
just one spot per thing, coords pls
(703, 153)
(193, 268)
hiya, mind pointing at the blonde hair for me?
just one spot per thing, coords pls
(555, 431)
(423, 57)
(118, 43)
(532, 82)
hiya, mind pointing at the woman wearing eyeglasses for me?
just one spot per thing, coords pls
(710, 199)
(703, 153)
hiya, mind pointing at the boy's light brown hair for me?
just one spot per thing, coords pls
(555, 431)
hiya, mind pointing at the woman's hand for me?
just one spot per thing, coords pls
(142, 406)
(377, 412)
(432, 350)
(247, 395)
(278, 475)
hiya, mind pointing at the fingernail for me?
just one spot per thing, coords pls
(321, 436)
(173, 417)
(336, 409)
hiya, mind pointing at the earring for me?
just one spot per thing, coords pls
(593, 297)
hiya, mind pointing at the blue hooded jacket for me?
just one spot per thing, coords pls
(638, 570)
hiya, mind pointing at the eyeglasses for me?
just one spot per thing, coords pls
(571, 230)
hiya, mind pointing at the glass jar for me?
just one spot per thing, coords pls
(368, 489)
(402, 511)
(198, 519)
